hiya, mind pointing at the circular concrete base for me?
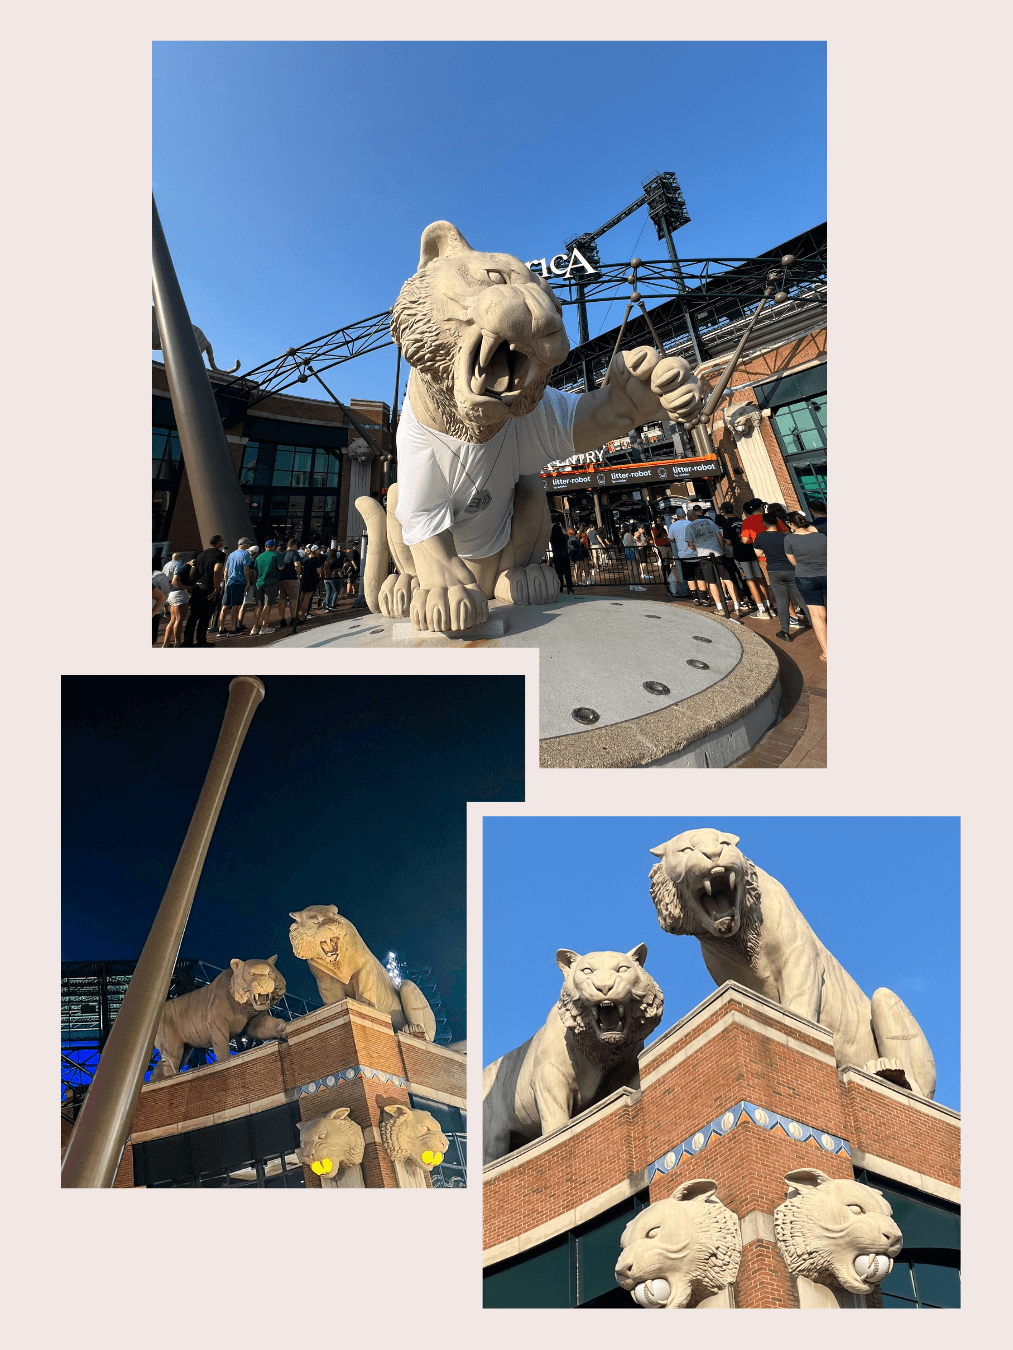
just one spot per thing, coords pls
(623, 683)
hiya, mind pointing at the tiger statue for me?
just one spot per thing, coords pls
(751, 931)
(468, 519)
(588, 1047)
(235, 1001)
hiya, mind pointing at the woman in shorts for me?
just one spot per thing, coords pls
(770, 545)
(806, 549)
(178, 602)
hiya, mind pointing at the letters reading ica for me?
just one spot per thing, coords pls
(574, 259)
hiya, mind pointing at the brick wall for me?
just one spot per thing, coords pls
(321, 1045)
(735, 1047)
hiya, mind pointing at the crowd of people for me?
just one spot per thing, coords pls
(761, 561)
(212, 594)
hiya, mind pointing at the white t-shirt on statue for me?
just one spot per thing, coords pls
(447, 484)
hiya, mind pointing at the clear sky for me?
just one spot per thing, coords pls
(294, 180)
(881, 893)
(348, 791)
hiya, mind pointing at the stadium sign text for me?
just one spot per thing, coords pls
(572, 260)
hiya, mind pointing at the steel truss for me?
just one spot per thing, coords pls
(716, 291)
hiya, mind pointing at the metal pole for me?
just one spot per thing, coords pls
(217, 497)
(360, 599)
(103, 1123)
(681, 286)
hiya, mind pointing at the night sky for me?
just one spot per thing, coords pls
(349, 790)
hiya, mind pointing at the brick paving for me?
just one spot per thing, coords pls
(797, 741)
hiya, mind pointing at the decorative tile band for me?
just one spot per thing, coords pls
(727, 1121)
(346, 1076)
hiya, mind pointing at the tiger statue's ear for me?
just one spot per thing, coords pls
(338, 1114)
(639, 954)
(295, 914)
(806, 1176)
(272, 960)
(441, 240)
(565, 958)
(397, 1109)
(659, 852)
(734, 838)
(700, 1189)
(236, 964)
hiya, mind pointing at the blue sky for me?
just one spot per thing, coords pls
(294, 180)
(882, 893)
(306, 820)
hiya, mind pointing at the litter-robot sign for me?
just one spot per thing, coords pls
(631, 475)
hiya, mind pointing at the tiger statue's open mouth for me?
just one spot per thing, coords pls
(607, 1019)
(718, 894)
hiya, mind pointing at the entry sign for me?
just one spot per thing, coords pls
(634, 475)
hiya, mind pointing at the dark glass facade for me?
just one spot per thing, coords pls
(926, 1274)
(166, 471)
(254, 1151)
(293, 491)
(574, 1270)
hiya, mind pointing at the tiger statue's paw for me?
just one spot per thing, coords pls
(532, 585)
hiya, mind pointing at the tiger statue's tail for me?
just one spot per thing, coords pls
(378, 552)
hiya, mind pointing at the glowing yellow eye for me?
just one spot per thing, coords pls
(322, 1168)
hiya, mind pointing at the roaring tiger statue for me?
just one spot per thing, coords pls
(330, 1143)
(411, 1135)
(836, 1232)
(468, 518)
(751, 931)
(587, 1048)
(344, 967)
(683, 1249)
(235, 1001)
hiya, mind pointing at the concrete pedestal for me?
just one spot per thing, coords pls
(624, 683)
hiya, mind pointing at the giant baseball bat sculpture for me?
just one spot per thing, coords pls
(96, 1145)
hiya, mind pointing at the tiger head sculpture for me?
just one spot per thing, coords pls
(331, 1142)
(681, 1249)
(481, 331)
(703, 886)
(259, 983)
(412, 1136)
(608, 1001)
(836, 1231)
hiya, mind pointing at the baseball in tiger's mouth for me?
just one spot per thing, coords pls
(607, 1019)
(717, 894)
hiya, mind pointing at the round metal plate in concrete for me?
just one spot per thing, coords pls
(611, 657)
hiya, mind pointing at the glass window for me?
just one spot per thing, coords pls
(283, 466)
(538, 1279)
(301, 468)
(249, 469)
(926, 1274)
(576, 1270)
(451, 1174)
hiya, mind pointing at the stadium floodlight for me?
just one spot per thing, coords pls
(665, 203)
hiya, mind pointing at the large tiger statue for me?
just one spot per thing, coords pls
(468, 518)
(235, 1001)
(836, 1232)
(750, 930)
(681, 1250)
(588, 1047)
(344, 967)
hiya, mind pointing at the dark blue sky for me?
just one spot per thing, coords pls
(294, 179)
(349, 790)
(882, 893)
